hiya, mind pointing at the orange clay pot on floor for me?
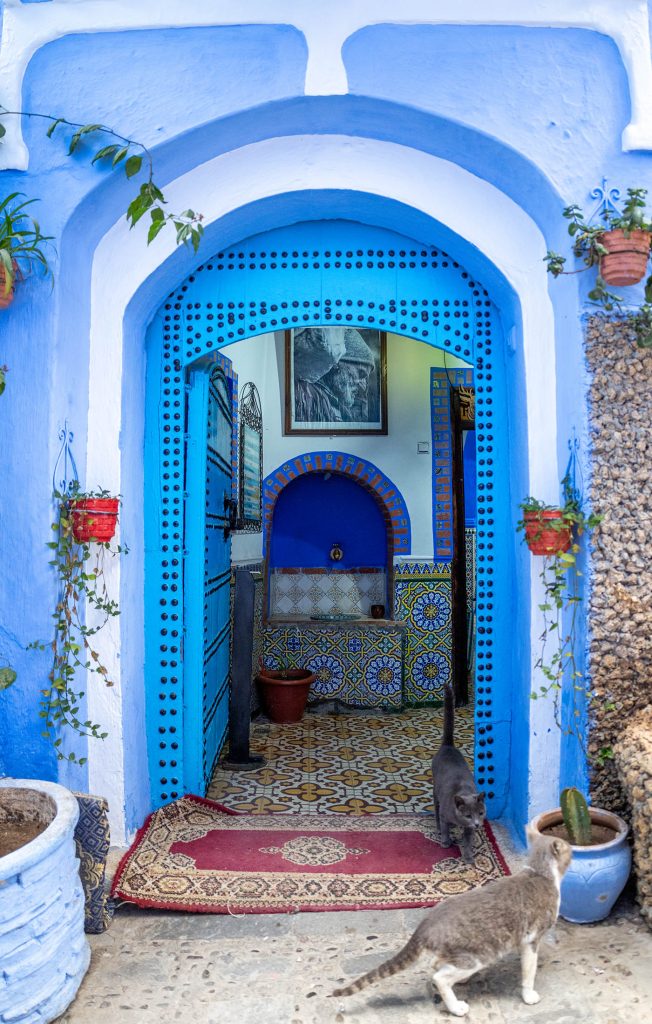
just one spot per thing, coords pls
(547, 532)
(94, 519)
(284, 693)
(628, 255)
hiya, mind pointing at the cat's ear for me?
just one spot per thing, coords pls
(459, 801)
(482, 795)
(557, 847)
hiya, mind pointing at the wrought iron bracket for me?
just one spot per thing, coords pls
(65, 462)
(608, 200)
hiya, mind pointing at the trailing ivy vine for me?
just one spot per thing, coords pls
(134, 157)
(557, 658)
(80, 569)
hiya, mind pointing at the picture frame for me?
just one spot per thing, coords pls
(335, 380)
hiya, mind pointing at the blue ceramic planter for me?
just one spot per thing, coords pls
(597, 874)
(43, 950)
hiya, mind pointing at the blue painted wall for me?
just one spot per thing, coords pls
(312, 513)
(538, 113)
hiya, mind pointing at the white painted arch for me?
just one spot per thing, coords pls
(467, 205)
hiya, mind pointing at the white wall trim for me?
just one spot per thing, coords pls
(466, 204)
(326, 26)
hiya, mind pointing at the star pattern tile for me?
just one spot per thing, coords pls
(343, 763)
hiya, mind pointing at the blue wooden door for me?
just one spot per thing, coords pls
(207, 573)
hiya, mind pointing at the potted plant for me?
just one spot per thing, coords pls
(37, 845)
(78, 555)
(601, 856)
(619, 246)
(601, 860)
(21, 245)
(284, 692)
(546, 528)
(555, 532)
(94, 515)
(43, 948)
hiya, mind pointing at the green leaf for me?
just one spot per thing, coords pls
(133, 165)
(140, 205)
(104, 153)
(7, 677)
(154, 229)
(120, 155)
(55, 124)
(3, 131)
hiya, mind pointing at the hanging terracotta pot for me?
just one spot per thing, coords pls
(6, 297)
(628, 255)
(547, 532)
(94, 519)
(285, 692)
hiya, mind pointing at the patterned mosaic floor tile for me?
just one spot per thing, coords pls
(343, 763)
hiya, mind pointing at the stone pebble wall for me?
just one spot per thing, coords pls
(620, 610)
(634, 762)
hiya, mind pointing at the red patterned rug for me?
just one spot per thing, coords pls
(197, 855)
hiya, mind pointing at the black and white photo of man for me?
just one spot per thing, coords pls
(336, 376)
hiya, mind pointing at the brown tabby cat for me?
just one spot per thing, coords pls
(455, 795)
(475, 929)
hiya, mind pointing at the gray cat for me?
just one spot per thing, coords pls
(456, 799)
(468, 932)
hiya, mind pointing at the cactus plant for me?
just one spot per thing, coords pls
(576, 816)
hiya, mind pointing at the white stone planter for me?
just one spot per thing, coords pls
(44, 952)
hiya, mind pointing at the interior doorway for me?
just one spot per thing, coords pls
(422, 295)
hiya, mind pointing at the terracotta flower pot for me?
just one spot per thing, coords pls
(598, 873)
(628, 255)
(94, 519)
(285, 692)
(6, 297)
(547, 532)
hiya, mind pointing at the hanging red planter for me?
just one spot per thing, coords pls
(547, 532)
(626, 262)
(94, 519)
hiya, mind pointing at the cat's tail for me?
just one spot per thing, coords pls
(406, 956)
(448, 737)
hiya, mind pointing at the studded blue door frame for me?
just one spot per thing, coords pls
(320, 273)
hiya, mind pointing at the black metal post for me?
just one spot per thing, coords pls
(240, 757)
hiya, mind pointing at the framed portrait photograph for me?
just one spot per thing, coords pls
(335, 380)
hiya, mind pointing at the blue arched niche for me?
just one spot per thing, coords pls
(319, 509)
